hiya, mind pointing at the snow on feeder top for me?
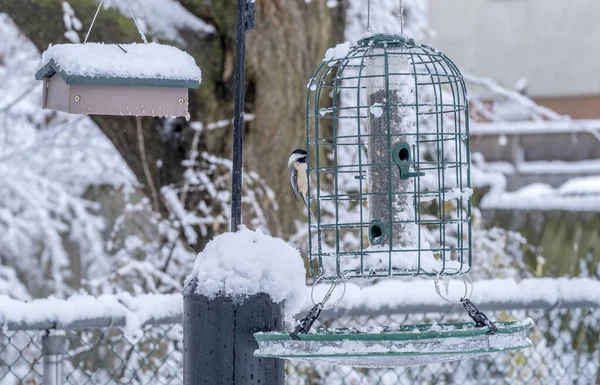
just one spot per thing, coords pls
(393, 199)
(111, 79)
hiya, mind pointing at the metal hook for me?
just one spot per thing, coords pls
(329, 293)
(468, 283)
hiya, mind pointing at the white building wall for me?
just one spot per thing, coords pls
(554, 44)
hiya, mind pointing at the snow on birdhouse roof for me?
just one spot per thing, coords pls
(135, 64)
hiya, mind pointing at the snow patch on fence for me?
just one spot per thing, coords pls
(384, 297)
(579, 194)
(387, 295)
(135, 310)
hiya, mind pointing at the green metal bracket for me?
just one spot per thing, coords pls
(378, 233)
(401, 156)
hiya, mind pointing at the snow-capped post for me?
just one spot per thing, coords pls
(219, 321)
(241, 283)
(245, 22)
(54, 348)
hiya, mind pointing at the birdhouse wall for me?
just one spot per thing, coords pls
(56, 94)
(115, 100)
(128, 101)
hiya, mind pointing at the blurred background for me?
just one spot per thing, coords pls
(79, 215)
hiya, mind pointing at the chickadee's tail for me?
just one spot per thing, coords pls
(308, 207)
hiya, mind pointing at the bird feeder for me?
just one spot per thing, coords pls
(388, 143)
(111, 79)
(394, 116)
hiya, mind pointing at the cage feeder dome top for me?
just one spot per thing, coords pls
(385, 39)
(118, 79)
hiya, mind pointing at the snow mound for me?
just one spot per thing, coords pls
(338, 52)
(578, 194)
(108, 60)
(581, 186)
(246, 263)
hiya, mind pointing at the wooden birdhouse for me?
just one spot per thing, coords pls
(110, 79)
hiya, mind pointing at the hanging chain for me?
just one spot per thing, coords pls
(137, 25)
(306, 323)
(478, 317)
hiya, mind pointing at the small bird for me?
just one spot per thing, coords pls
(299, 176)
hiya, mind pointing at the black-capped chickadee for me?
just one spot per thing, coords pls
(299, 176)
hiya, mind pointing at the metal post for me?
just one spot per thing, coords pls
(218, 342)
(245, 22)
(54, 348)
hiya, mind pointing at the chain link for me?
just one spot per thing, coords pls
(478, 317)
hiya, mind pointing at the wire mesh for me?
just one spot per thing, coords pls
(387, 134)
(566, 351)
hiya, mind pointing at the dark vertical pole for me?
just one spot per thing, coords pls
(245, 22)
(218, 342)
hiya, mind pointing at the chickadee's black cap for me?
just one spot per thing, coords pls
(299, 151)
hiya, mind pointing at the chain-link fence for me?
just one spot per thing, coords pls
(566, 351)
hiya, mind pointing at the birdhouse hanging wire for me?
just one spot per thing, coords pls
(387, 134)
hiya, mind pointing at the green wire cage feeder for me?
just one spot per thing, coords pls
(389, 154)
(389, 174)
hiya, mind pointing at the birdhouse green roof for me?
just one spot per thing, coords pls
(150, 65)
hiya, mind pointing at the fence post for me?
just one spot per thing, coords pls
(54, 348)
(218, 342)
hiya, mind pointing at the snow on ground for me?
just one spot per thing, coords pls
(241, 264)
(108, 60)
